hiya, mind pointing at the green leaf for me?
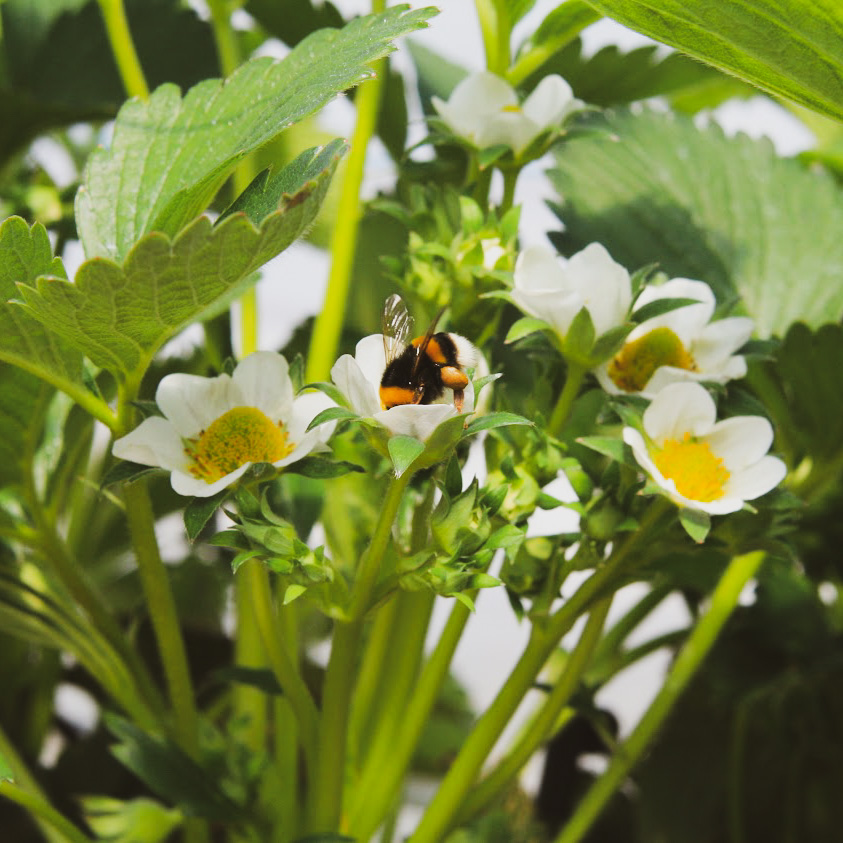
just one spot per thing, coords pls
(58, 66)
(292, 592)
(120, 316)
(696, 523)
(507, 536)
(200, 511)
(170, 773)
(322, 467)
(134, 821)
(403, 451)
(493, 420)
(465, 600)
(170, 155)
(580, 338)
(725, 210)
(332, 414)
(791, 50)
(525, 326)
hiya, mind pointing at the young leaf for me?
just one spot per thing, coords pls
(403, 451)
(292, 592)
(745, 39)
(170, 155)
(659, 307)
(525, 326)
(726, 210)
(120, 316)
(332, 414)
(170, 773)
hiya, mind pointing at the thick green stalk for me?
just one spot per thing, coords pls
(325, 808)
(460, 779)
(120, 38)
(495, 36)
(510, 179)
(544, 723)
(44, 812)
(162, 614)
(382, 776)
(702, 639)
(324, 341)
(575, 376)
(280, 658)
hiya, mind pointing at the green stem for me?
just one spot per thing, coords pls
(228, 50)
(123, 48)
(495, 36)
(482, 186)
(44, 812)
(575, 376)
(510, 178)
(162, 614)
(544, 639)
(325, 810)
(283, 666)
(544, 724)
(324, 341)
(702, 639)
(382, 776)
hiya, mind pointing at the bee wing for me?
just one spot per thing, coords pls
(397, 327)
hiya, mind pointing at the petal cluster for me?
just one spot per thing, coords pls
(251, 412)
(729, 457)
(359, 378)
(484, 110)
(681, 345)
(555, 290)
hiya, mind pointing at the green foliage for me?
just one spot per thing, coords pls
(119, 316)
(745, 38)
(58, 66)
(725, 210)
(132, 821)
(295, 20)
(191, 144)
(403, 450)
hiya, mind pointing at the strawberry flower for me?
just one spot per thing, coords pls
(214, 429)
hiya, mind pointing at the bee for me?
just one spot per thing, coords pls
(417, 372)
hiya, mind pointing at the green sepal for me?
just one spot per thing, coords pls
(493, 420)
(488, 156)
(580, 337)
(292, 592)
(243, 557)
(332, 414)
(696, 523)
(322, 467)
(403, 451)
(507, 536)
(525, 326)
(659, 307)
(200, 511)
(464, 599)
(329, 389)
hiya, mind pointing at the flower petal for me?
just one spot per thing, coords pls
(305, 408)
(713, 348)
(371, 358)
(686, 322)
(678, 409)
(604, 285)
(190, 486)
(352, 383)
(740, 441)
(192, 402)
(153, 442)
(418, 420)
(758, 479)
(538, 269)
(551, 100)
(474, 100)
(263, 378)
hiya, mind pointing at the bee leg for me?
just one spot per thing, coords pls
(459, 396)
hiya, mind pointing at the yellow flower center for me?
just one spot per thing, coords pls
(698, 473)
(241, 435)
(513, 108)
(634, 365)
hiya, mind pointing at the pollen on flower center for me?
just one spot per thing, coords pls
(698, 473)
(241, 435)
(634, 365)
(513, 108)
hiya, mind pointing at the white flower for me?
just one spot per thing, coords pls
(702, 463)
(555, 290)
(359, 379)
(215, 428)
(682, 345)
(483, 109)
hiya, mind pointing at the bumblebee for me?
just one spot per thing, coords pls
(419, 371)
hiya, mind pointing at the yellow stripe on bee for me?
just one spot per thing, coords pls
(394, 396)
(433, 350)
